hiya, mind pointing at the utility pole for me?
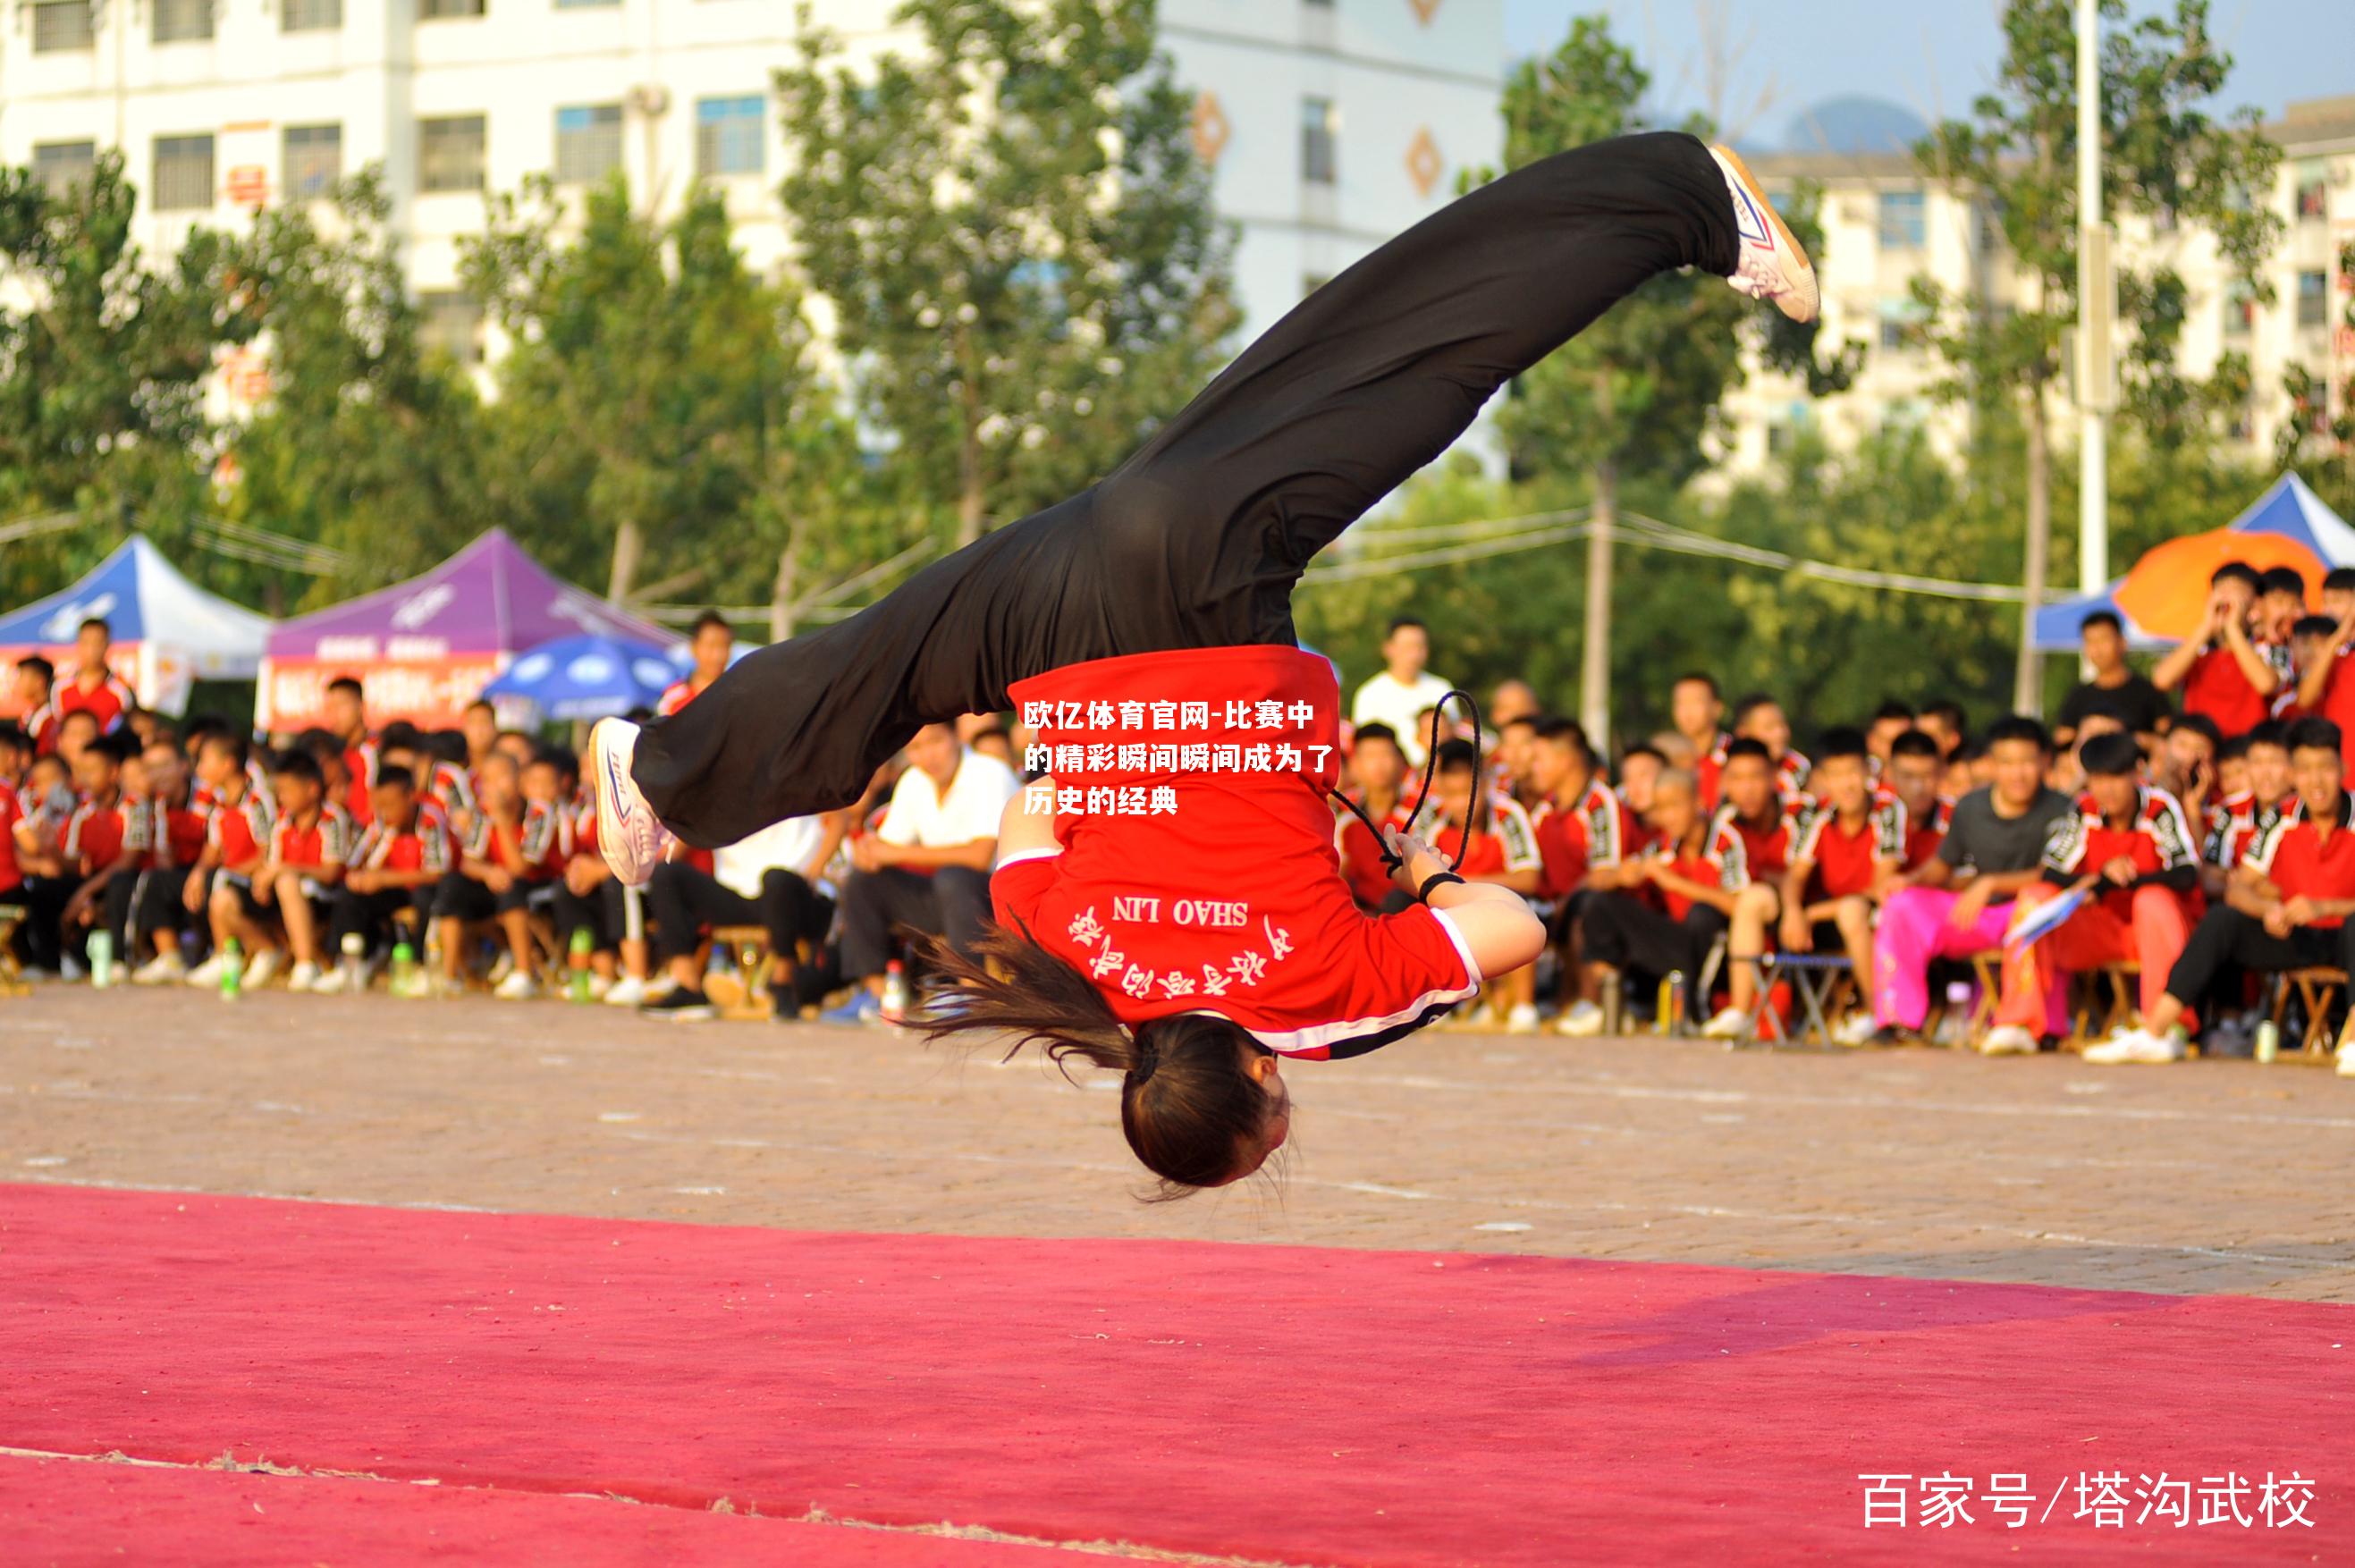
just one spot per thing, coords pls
(2095, 370)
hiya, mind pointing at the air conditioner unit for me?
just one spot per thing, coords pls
(649, 99)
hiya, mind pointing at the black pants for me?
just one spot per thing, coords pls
(600, 912)
(1630, 934)
(1197, 539)
(952, 902)
(159, 906)
(43, 933)
(369, 914)
(2227, 937)
(682, 900)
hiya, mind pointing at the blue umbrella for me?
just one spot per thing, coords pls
(589, 676)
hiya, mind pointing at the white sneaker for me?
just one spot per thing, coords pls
(2137, 1045)
(599, 986)
(1522, 1020)
(661, 985)
(2347, 1059)
(629, 835)
(1773, 266)
(303, 976)
(517, 987)
(165, 969)
(1730, 1023)
(330, 984)
(1583, 1021)
(501, 967)
(260, 968)
(626, 992)
(206, 975)
(2007, 1040)
(1857, 1030)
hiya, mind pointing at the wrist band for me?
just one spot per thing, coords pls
(1433, 881)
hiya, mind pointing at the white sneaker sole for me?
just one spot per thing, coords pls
(630, 839)
(1799, 296)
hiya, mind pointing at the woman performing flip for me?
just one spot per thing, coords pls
(1168, 901)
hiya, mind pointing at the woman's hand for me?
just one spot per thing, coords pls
(1421, 859)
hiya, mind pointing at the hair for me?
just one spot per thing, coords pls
(298, 765)
(2315, 735)
(1570, 736)
(2284, 579)
(2101, 618)
(399, 735)
(444, 746)
(1375, 730)
(2236, 571)
(2110, 756)
(117, 748)
(708, 620)
(2339, 580)
(1187, 1105)
(485, 704)
(1640, 748)
(1920, 743)
(1751, 702)
(229, 743)
(2201, 724)
(1529, 719)
(567, 762)
(1895, 708)
(98, 620)
(2108, 708)
(1399, 622)
(2312, 626)
(394, 773)
(41, 665)
(1696, 677)
(1950, 711)
(1454, 756)
(76, 716)
(2019, 727)
(1843, 741)
(13, 737)
(2272, 732)
(1747, 746)
(351, 684)
(2235, 749)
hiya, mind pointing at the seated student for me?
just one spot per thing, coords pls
(1694, 870)
(1640, 767)
(2326, 681)
(1942, 720)
(2224, 673)
(1498, 846)
(1767, 823)
(2064, 773)
(35, 691)
(308, 851)
(2131, 842)
(364, 760)
(2281, 603)
(16, 755)
(1890, 720)
(74, 730)
(1509, 765)
(2239, 819)
(2311, 639)
(45, 805)
(180, 826)
(1758, 717)
(2185, 764)
(2287, 908)
(776, 879)
(491, 881)
(2232, 779)
(1960, 901)
(1850, 848)
(449, 782)
(1915, 778)
(402, 856)
(1377, 767)
(1696, 709)
(237, 829)
(106, 847)
(1584, 832)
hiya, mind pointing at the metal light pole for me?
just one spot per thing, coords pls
(2095, 369)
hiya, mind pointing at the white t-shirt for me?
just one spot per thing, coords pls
(781, 846)
(1385, 701)
(976, 799)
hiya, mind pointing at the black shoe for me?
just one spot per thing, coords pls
(685, 1004)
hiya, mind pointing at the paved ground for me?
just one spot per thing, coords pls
(2202, 1177)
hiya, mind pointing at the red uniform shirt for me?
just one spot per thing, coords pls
(425, 846)
(1766, 851)
(678, 695)
(241, 832)
(185, 828)
(41, 724)
(97, 835)
(2337, 703)
(2295, 859)
(1362, 852)
(107, 701)
(547, 840)
(327, 841)
(2235, 822)
(1846, 860)
(1508, 844)
(1599, 830)
(1181, 883)
(2156, 838)
(1722, 862)
(11, 813)
(360, 761)
(2217, 687)
(451, 788)
(1923, 835)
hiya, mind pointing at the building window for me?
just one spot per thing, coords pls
(310, 16)
(1319, 131)
(184, 174)
(441, 10)
(181, 21)
(730, 135)
(2240, 310)
(1902, 227)
(1899, 318)
(61, 165)
(61, 25)
(452, 324)
(314, 160)
(588, 142)
(2313, 299)
(2313, 189)
(450, 153)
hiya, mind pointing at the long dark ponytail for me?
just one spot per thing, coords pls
(1192, 1111)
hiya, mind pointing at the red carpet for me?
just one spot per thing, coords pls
(1276, 1404)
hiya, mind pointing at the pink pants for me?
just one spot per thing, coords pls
(1913, 932)
(2036, 977)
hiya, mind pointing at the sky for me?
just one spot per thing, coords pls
(1781, 56)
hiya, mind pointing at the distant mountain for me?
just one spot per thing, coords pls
(1853, 124)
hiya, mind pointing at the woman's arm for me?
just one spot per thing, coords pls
(1495, 923)
(1019, 829)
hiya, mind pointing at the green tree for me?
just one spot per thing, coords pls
(2165, 156)
(1015, 239)
(2312, 439)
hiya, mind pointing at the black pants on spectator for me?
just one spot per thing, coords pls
(43, 935)
(159, 907)
(601, 912)
(120, 898)
(1630, 934)
(1196, 539)
(2227, 937)
(952, 902)
(370, 914)
(683, 900)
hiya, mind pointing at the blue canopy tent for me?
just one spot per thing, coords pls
(167, 632)
(587, 677)
(2287, 508)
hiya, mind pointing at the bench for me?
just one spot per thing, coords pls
(2316, 988)
(12, 981)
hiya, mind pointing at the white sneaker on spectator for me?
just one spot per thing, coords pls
(71, 970)
(260, 968)
(1583, 1021)
(2347, 1059)
(331, 984)
(626, 992)
(2007, 1040)
(1522, 1020)
(599, 986)
(2137, 1045)
(629, 835)
(164, 969)
(517, 987)
(1730, 1023)
(1857, 1030)
(501, 967)
(208, 973)
(1773, 265)
(661, 985)
(303, 976)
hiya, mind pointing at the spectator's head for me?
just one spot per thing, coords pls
(1695, 709)
(2316, 767)
(479, 724)
(295, 778)
(937, 750)
(16, 751)
(1890, 720)
(993, 740)
(1455, 783)
(1971, 767)
(1406, 648)
(1429, 728)
(1747, 781)
(1512, 700)
(543, 779)
(36, 677)
(2190, 754)
(346, 709)
(1916, 773)
(1676, 750)
(401, 744)
(1843, 777)
(136, 784)
(1943, 722)
(393, 798)
(1759, 718)
(167, 771)
(98, 766)
(75, 731)
(47, 775)
(2103, 636)
(2282, 595)
(1562, 763)
(497, 783)
(443, 746)
(2310, 636)
(93, 638)
(2339, 592)
(1376, 759)
(2017, 749)
(2233, 589)
(516, 746)
(1675, 810)
(145, 724)
(2268, 762)
(2113, 765)
(1640, 768)
(2233, 767)
(220, 762)
(2101, 717)
(1516, 738)
(196, 731)
(712, 641)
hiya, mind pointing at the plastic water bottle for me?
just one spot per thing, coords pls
(583, 946)
(354, 956)
(232, 969)
(2268, 1040)
(404, 969)
(1669, 1014)
(895, 992)
(101, 959)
